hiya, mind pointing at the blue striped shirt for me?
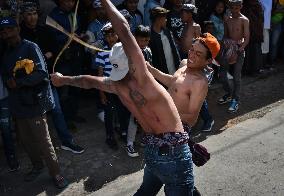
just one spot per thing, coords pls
(102, 60)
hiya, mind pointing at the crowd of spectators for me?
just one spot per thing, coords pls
(164, 31)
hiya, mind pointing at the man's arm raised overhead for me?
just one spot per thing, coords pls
(137, 65)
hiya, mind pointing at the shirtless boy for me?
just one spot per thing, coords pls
(188, 86)
(167, 153)
(191, 30)
(236, 29)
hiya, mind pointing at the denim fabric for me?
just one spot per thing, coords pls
(237, 74)
(204, 113)
(69, 97)
(5, 128)
(59, 121)
(274, 41)
(174, 169)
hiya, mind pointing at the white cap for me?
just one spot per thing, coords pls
(119, 62)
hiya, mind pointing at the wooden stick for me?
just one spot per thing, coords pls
(71, 36)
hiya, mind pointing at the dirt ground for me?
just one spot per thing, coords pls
(99, 164)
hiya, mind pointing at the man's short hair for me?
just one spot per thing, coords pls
(142, 31)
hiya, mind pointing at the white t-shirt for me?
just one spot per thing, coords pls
(168, 53)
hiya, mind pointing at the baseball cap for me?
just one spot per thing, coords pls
(8, 22)
(189, 7)
(119, 62)
(211, 42)
(97, 4)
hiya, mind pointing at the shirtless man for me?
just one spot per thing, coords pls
(191, 30)
(188, 86)
(236, 29)
(167, 153)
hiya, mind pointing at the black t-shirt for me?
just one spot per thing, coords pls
(174, 23)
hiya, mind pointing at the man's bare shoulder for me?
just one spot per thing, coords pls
(198, 80)
(244, 18)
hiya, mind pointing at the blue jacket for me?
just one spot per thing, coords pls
(32, 96)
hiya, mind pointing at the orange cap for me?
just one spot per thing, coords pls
(211, 42)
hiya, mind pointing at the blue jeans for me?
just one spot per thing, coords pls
(274, 41)
(59, 121)
(8, 143)
(174, 169)
(204, 112)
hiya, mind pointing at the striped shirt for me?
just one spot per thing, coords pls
(102, 60)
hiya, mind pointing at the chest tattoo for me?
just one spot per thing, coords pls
(137, 98)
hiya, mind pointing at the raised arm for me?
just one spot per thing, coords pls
(137, 65)
(165, 79)
(84, 81)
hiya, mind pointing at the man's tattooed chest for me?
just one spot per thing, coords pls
(138, 99)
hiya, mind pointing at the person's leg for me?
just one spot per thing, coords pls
(151, 184)
(258, 63)
(123, 117)
(206, 117)
(225, 83)
(8, 142)
(237, 76)
(274, 42)
(175, 170)
(39, 128)
(265, 48)
(132, 129)
(28, 139)
(59, 121)
(108, 121)
(131, 133)
(74, 99)
(67, 142)
(204, 112)
(249, 59)
(234, 105)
